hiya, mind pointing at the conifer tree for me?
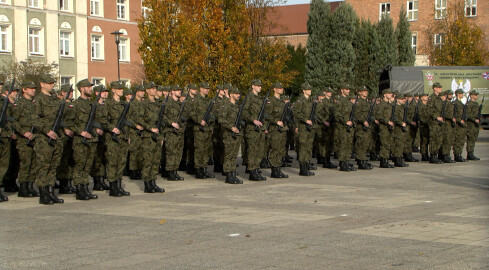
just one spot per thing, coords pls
(366, 45)
(388, 43)
(403, 36)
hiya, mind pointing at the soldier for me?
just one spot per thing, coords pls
(84, 143)
(473, 124)
(12, 162)
(231, 136)
(64, 172)
(164, 98)
(189, 130)
(255, 131)
(26, 121)
(344, 127)
(218, 146)
(411, 127)
(325, 115)
(98, 171)
(202, 131)
(399, 132)
(362, 132)
(277, 130)
(435, 107)
(135, 147)
(424, 128)
(460, 127)
(416, 141)
(305, 135)
(382, 118)
(118, 147)
(447, 128)
(5, 136)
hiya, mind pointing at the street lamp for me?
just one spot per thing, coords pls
(117, 35)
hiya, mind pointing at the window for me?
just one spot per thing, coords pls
(414, 42)
(440, 9)
(95, 7)
(121, 9)
(98, 81)
(65, 80)
(124, 50)
(97, 47)
(34, 3)
(64, 5)
(35, 41)
(5, 38)
(65, 44)
(412, 10)
(385, 10)
(470, 8)
(3, 2)
(439, 38)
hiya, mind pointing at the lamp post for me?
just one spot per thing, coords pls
(117, 35)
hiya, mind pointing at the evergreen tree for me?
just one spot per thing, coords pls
(403, 36)
(366, 45)
(388, 43)
(297, 63)
(317, 27)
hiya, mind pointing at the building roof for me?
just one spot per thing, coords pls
(292, 19)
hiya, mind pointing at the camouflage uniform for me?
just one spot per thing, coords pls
(472, 126)
(460, 129)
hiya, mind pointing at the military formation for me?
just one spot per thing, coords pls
(50, 141)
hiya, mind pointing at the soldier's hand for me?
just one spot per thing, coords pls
(235, 130)
(266, 131)
(403, 124)
(376, 122)
(280, 123)
(414, 123)
(327, 124)
(390, 123)
(155, 130)
(257, 123)
(203, 123)
(462, 122)
(366, 124)
(86, 134)
(99, 131)
(454, 120)
(175, 125)
(309, 122)
(13, 137)
(477, 121)
(116, 131)
(51, 134)
(439, 119)
(349, 123)
(69, 132)
(139, 127)
(296, 130)
(28, 135)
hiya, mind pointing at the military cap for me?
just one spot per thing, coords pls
(306, 86)
(6, 87)
(193, 86)
(345, 86)
(204, 85)
(445, 93)
(139, 87)
(423, 94)
(459, 91)
(387, 91)
(321, 94)
(149, 85)
(416, 95)
(176, 87)
(437, 85)
(362, 88)
(166, 88)
(117, 85)
(286, 97)
(449, 92)
(401, 96)
(100, 88)
(277, 85)
(227, 86)
(351, 95)
(327, 89)
(127, 92)
(219, 87)
(234, 90)
(29, 84)
(159, 88)
(408, 95)
(473, 93)
(65, 87)
(84, 83)
(47, 78)
(256, 82)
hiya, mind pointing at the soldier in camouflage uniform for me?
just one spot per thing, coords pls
(411, 128)
(344, 128)
(325, 116)
(5, 136)
(77, 116)
(189, 130)
(277, 130)
(382, 118)
(448, 128)
(460, 127)
(424, 128)
(399, 132)
(135, 145)
(218, 146)
(473, 124)
(435, 107)
(10, 177)
(362, 131)
(64, 172)
(98, 171)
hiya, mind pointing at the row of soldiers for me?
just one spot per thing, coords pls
(161, 129)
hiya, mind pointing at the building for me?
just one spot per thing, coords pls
(73, 35)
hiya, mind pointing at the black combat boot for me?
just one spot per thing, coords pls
(410, 158)
(208, 174)
(24, 190)
(183, 166)
(232, 179)
(352, 166)
(53, 196)
(373, 156)
(32, 191)
(121, 190)
(425, 157)
(64, 187)
(114, 189)
(10, 185)
(200, 173)
(3, 198)
(97, 183)
(311, 167)
(44, 198)
(89, 194)
(191, 168)
(156, 188)
(148, 187)
(174, 176)
(277, 173)
(264, 164)
(384, 163)
(398, 162)
(459, 158)
(363, 165)
(70, 185)
(304, 170)
(284, 163)
(471, 156)
(256, 176)
(328, 164)
(80, 193)
(345, 166)
(447, 159)
(434, 159)
(288, 158)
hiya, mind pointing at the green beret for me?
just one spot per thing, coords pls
(176, 87)
(127, 92)
(84, 83)
(65, 87)
(449, 92)
(138, 87)
(227, 86)
(277, 85)
(234, 90)
(459, 91)
(159, 88)
(306, 86)
(437, 85)
(256, 82)
(29, 84)
(204, 85)
(117, 85)
(387, 91)
(47, 78)
(473, 93)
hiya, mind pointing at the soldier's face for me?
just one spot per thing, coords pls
(204, 91)
(437, 90)
(193, 92)
(256, 88)
(13, 94)
(104, 95)
(409, 99)
(424, 98)
(402, 101)
(159, 94)
(474, 97)
(48, 86)
(460, 96)
(279, 91)
(443, 98)
(307, 92)
(345, 92)
(29, 91)
(87, 91)
(328, 94)
(118, 92)
(151, 91)
(177, 93)
(140, 94)
(235, 97)
(363, 94)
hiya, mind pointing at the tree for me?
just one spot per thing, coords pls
(460, 41)
(317, 27)
(296, 63)
(367, 49)
(388, 42)
(26, 71)
(403, 36)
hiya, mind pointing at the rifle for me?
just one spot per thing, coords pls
(121, 123)
(404, 117)
(479, 115)
(91, 118)
(159, 122)
(237, 121)
(261, 115)
(207, 114)
(370, 111)
(443, 112)
(59, 116)
(180, 112)
(393, 115)
(3, 114)
(284, 114)
(352, 115)
(312, 115)
(416, 113)
(455, 111)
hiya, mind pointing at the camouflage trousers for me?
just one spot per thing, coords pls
(398, 141)
(231, 149)
(10, 177)
(448, 138)
(135, 149)
(424, 138)
(325, 142)
(362, 142)
(48, 159)
(345, 142)
(189, 143)
(472, 134)
(305, 141)
(277, 141)
(151, 154)
(66, 165)
(202, 142)
(4, 156)
(459, 139)
(256, 142)
(27, 168)
(218, 146)
(385, 138)
(100, 160)
(83, 156)
(174, 144)
(115, 157)
(409, 139)
(436, 137)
